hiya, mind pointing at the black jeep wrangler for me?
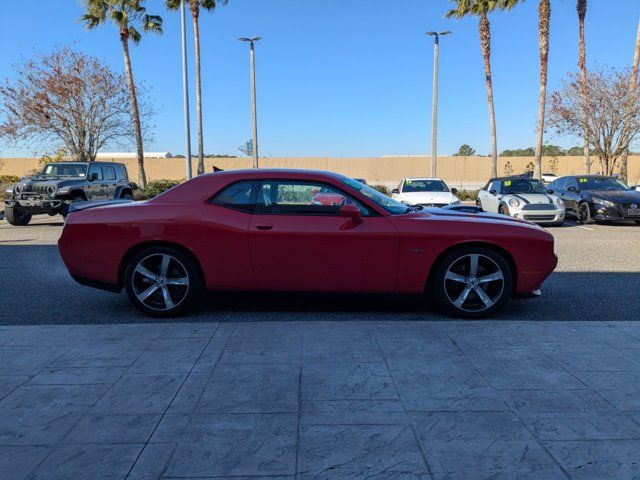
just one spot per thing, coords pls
(63, 183)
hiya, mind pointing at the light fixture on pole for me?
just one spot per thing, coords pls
(185, 89)
(434, 108)
(254, 113)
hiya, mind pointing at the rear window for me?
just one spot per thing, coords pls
(109, 173)
(237, 196)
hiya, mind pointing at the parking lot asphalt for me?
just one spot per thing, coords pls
(321, 387)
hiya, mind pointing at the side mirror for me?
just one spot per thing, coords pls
(550, 191)
(454, 191)
(395, 190)
(93, 177)
(492, 192)
(352, 212)
(573, 189)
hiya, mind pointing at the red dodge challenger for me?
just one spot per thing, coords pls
(266, 230)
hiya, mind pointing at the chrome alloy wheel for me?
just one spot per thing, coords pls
(160, 282)
(473, 283)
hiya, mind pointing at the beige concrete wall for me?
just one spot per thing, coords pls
(457, 171)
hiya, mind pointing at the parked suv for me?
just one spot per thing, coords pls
(63, 183)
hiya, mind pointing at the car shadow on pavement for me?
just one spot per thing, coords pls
(36, 288)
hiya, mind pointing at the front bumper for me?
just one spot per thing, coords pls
(612, 214)
(541, 217)
(35, 203)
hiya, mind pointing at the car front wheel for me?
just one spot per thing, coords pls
(16, 217)
(471, 282)
(161, 281)
(584, 214)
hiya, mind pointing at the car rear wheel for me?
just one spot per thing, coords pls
(161, 281)
(16, 217)
(126, 196)
(584, 214)
(471, 282)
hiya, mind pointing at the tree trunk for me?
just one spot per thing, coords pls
(582, 11)
(135, 113)
(196, 42)
(544, 17)
(485, 47)
(633, 82)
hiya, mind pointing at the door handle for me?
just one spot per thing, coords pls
(264, 227)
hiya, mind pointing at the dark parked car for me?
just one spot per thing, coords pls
(598, 198)
(63, 183)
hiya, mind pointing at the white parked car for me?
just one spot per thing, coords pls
(425, 192)
(524, 198)
(549, 177)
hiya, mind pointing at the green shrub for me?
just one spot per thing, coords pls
(381, 189)
(467, 195)
(154, 188)
(9, 179)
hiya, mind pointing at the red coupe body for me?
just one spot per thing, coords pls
(244, 249)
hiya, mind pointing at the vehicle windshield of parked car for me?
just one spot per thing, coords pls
(64, 170)
(602, 184)
(424, 186)
(380, 199)
(523, 185)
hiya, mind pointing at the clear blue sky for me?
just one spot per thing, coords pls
(340, 77)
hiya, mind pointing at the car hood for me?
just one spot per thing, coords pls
(426, 197)
(533, 197)
(44, 182)
(622, 196)
(473, 218)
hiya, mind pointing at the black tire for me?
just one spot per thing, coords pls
(584, 214)
(137, 284)
(504, 210)
(126, 196)
(637, 222)
(444, 291)
(64, 210)
(16, 217)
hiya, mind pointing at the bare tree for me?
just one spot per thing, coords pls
(610, 118)
(67, 99)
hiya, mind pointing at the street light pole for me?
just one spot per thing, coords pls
(434, 107)
(185, 89)
(254, 111)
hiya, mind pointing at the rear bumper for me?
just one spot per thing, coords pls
(88, 282)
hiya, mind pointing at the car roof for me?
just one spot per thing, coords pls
(512, 177)
(422, 178)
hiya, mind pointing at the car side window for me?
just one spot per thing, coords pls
(558, 183)
(571, 182)
(279, 197)
(97, 170)
(121, 171)
(495, 185)
(109, 173)
(237, 196)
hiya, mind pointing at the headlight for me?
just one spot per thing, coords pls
(514, 202)
(19, 188)
(559, 202)
(603, 202)
(51, 190)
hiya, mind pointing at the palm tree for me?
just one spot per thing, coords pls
(195, 6)
(126, 14)
(633, 84)
(481, 8)
(544, 19)
(581, 7)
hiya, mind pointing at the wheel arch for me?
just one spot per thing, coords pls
(158, 243)
(77, 192)
(491, 246)
(121, 191)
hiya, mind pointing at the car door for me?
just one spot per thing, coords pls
(571, 195)
(491, 199)
(109, 173)
(96, 189)
(299, 243)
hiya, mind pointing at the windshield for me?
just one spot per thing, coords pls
(424, 186)
(523, 185)
(602, 184)
(64, 170)
(380, 199)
